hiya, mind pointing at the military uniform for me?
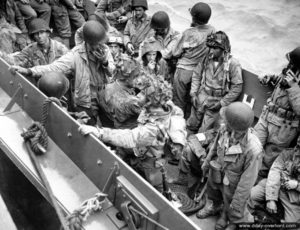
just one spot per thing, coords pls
(239, 165)
(136, 31)
(272, 189)
(113, 9)
(190, 50)
(147, 140)
(90, 78)
(63, 15)
(33, 55)
(278, 123)
(211, 85)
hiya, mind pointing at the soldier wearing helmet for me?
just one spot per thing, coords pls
(116, 45)
(137, 27)
(233, 162)
(117, 12)
(155, 128)
(152, 61)
(190, 50)
(91, 63)
(99, 17)
(279, 121)
(42, 52)
(216, 82)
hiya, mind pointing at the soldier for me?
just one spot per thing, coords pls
(42, 52)
(31, 9)
(159, 121)
(167, 36)
(117, 12)
(137, 27)
(64, 13)
(234, 161)
(190, 50)
(278, 124)
(90, 63)
(152, 61)
(111, 31)
(216, 82)
(282, 185)
(116, 45)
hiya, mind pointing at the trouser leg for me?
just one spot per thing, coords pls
(61, 20)
(257, 197)
(181, 87)
(76, 18)
(27, 11)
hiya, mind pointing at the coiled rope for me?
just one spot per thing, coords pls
(88, 207)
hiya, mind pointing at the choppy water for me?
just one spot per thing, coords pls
(261, 31)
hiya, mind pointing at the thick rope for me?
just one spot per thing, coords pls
(89, 206)
(36, 141)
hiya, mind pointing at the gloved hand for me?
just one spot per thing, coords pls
(87, 129)
(271, 206)
(216, 107)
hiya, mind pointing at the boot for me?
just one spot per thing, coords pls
(182, 179)
(222, 221)
(210, 209)
(231, 226)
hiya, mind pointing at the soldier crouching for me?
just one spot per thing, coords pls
(234, 160)
(281, 186)
(159, 123)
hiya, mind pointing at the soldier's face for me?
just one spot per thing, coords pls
(176, 150)
(41, 37)
(139, 12)
(151, 56)
(161, 32)
(216, 53)
(115, 49)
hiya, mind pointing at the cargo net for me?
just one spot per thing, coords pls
(190, 197)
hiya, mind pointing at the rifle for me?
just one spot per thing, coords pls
(166, 189)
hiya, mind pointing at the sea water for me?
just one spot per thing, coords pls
(261, 32)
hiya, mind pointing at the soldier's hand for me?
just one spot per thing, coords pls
(87, 129)
(122, 19)
(291, 184)
(271, 206)
(290, 78)
(130, 48)
(13, 69)
(264, 80)
(151, 65)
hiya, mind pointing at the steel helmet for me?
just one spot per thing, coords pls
(53, 84)
(160, 20)
(294, 57)
(201, 12)
(151, 44)
(38, 25)
(238, 116)
(139, 3)
(126, 67)
(219, 40)
(115, 38)
(93, 32)
(100, 17)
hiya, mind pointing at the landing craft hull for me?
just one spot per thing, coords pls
(77, 167)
